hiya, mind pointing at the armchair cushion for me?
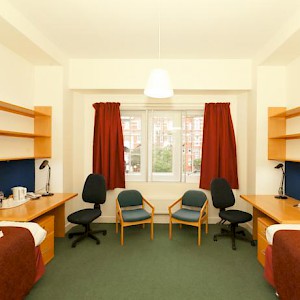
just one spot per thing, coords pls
(188, 215)
(135, 215)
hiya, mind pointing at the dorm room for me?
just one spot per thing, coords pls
(60, 59)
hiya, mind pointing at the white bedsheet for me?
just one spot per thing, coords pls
(274, 228)
(38, 233)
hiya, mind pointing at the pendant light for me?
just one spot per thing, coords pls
(159, 84)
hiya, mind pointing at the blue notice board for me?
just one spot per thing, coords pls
(17, 173)
(292, 179)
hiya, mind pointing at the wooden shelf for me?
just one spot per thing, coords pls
(291, 159)
(16, 158)
(41, 136)
(277, 136)
(21, 134)
(287, 136)
(14, 109)
(290, 113)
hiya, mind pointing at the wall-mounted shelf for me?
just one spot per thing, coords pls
(287, 136)
(21, 134)
(41, 136)
(277, 136)
(15, 109)
(291, 113)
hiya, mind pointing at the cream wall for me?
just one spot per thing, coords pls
(16, 78)
(160, 194)
(16, 86)
(226, 74)
(194, 81)
(293, 100)
(48, 91)
(276, 86)
(271, 91)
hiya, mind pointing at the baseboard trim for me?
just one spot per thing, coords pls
(158, 219)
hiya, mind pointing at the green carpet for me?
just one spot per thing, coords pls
(158, 269)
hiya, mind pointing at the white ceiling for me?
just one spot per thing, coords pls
(190, 29)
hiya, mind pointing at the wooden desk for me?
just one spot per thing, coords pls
(31, 210)
(279, 210)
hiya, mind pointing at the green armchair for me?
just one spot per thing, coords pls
(130, 210)
(193, 211)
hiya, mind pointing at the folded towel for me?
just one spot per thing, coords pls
(38, 233)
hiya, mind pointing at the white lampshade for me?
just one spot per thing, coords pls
(159, 85)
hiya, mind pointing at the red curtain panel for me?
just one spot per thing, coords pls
(218, 146)
(108, 146)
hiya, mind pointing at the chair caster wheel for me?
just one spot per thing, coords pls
(233, 247)
(97, 242)
(253, 243)
(215, 238)
(105, 232)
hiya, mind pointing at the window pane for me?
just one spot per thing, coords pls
(132, 123)
(166, 139)
(162, 145)
(192, 144)
(171, 151)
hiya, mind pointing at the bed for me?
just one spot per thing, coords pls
(21, 261)
(282, 265)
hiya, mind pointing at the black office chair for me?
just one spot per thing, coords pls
(94, 191)
(222, 198)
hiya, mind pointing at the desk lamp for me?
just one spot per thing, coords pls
(280, 190)
(42, 166)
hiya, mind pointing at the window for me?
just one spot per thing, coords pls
(162, 145)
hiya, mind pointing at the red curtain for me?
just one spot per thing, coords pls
(108, 147)
(218, 146)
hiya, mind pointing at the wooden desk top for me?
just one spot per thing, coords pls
(280, 210)
(35, 208)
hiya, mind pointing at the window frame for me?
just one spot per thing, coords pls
(146, 139)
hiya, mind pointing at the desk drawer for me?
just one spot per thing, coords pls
(262, 224)
(46, 222)
(47, 246)
(262, 243)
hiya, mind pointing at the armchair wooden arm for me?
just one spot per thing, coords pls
(149, 204)
(173, 204)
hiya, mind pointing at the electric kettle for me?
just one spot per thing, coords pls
(19, 192)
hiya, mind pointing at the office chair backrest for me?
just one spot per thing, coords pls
(94, 190)
(221, 193)
(193, 198)
(130, 198)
